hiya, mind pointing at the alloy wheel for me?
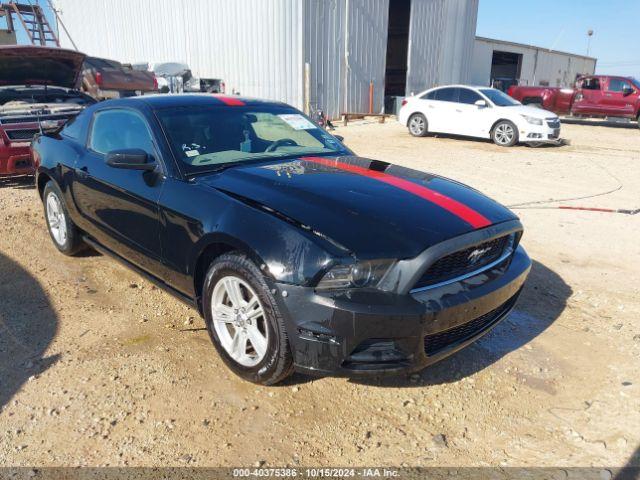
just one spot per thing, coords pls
(417, 125)
(239, 321)
(56, 219)
(504, 134)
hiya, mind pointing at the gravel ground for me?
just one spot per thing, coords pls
(98, 367)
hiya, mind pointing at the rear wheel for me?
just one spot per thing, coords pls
(418, 126)
(63, 231)
(244, 322)
(505, 134)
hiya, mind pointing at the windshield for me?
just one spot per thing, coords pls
(206, 138)
(499, 98)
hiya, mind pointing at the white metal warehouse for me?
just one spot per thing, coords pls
(500, 63)
(260, 47)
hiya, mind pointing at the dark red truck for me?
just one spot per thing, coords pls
(593, 96)
(38, 93)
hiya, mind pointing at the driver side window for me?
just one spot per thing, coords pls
(119, 129)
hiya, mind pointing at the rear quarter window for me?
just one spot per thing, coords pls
(76, 127)
(447, 94)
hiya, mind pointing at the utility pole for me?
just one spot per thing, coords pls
(589, 35)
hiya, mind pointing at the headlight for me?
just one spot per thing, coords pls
(532, 120)
(357, 275)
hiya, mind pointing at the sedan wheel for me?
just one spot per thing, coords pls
(418, 125)
(239, 321)
(505, 134)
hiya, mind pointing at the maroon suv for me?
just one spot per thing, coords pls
(38, 92)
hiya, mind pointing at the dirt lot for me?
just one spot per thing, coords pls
(98, 367)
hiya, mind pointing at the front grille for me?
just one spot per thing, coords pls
(464, 261)
(31, 119)
(553, 123)
(21, 135)
(440, 341)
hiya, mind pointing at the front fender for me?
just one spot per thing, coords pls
(284, 252)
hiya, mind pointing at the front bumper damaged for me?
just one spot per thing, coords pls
(371, 332)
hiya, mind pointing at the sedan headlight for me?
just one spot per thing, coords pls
(356, 275)
(532, 120)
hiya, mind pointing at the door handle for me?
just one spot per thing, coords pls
(82, 172)
(459, 111)
(607, 94)
(431, 106)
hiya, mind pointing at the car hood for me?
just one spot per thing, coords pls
(372, 208)
(534, 112)
(29, 65)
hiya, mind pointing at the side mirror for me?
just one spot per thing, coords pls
(481, 103)
(130, 159)
(339, 137)
(627, 91)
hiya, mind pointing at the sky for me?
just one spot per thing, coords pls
(563, 25)
(559, 25)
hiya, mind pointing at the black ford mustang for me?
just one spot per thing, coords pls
(298, 254)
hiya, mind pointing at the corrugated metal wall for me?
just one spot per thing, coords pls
(441, 40)
(254, 45)
(344, 60)
(539, 65)
(259, 47)
(324, 39)
(368, 29)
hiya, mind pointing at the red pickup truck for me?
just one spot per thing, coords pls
(38, 93)
(593, 96)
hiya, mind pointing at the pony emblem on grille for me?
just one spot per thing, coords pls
(477, 254)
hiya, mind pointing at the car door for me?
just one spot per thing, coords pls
(119, 207)
(588, 99)
(440, 111)
(470, 119)
(619, 97)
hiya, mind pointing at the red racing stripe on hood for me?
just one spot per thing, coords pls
(460, 210)
(231, 101)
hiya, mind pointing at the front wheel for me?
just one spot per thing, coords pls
(418, 126)
(64, 233)
(505, 134)
(244, 322)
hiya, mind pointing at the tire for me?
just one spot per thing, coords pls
(504, 133)
(255, 347)
(638, 121)
(64, 233)
(418, 125)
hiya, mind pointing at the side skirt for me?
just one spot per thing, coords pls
(155, 280)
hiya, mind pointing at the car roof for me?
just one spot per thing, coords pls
(476, 87)
(162, 101)
(473, 87)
